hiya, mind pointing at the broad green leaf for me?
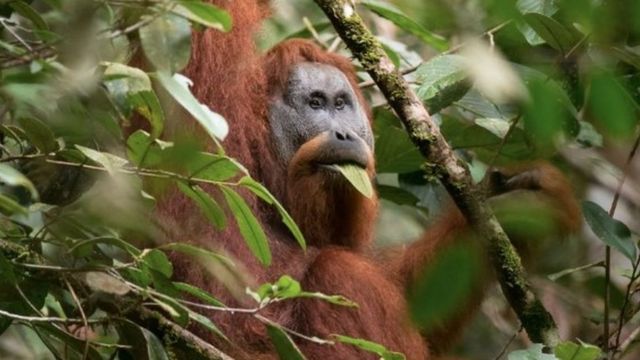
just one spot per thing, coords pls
(212, 167)
(358, 177)
(571, 351)
(131, 90)
(611, 231)
(110, 162)
(158, 261)
(394, 151)
(547, 119)
(203, 13)
(122, 79)
(611, 105)
(212, 122)
(198, 293)
(39, 134)
(544, 7)
(249, 226)
(146, 103)
(142, 150)
(535, 352)
(443, 81)
(498, 127)
(397, 17)
(12, 177)
(555, 34)
(286, 348)
(166, 42)
(9, 207)
(30, 13)
(197, 252)
(452, 276)
(209, 207)
(267, 197)
(143, 344)
(370, 346)
(397, 195)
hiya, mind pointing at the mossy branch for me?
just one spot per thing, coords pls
(452, 172)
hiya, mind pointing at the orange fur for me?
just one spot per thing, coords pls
(338, 222)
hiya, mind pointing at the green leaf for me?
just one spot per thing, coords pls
(397, 195)
(179, 313)
(452, 276)
(158, 261)
(9, 207)
(358, 177)
(394, 151)
(146, 103)
(571, 351)
(143, 343)
(206, 14)
(142, 150)
(249, 226)
(267, 197)
(630, 55)
(198, 293)
(12, 177)
(110, 162)
(401, 20)
(212, 122)
(131, 89)
(39, 134)
(443, 81)
(369, 346)
(166, 42)
(209, 207)
(212, 167)
(611, 231)
(612, 107)
(544, 7)
(6, 269)
(207, 323)
(286, 348)
(555, 34)
(198, 253)
(30, 13)
(84, 246)
(535, 352)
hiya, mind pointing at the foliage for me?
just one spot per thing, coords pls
(508, 82)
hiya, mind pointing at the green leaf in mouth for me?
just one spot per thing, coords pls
(358, 177)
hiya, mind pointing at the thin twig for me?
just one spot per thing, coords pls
(85, 351)
(506, 346)
(612, 210)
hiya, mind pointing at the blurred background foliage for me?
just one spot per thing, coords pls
(509, 82)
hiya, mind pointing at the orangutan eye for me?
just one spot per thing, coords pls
(317, 101)
(340, 103)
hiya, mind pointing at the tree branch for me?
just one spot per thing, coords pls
(453, 174)
(182, 339)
